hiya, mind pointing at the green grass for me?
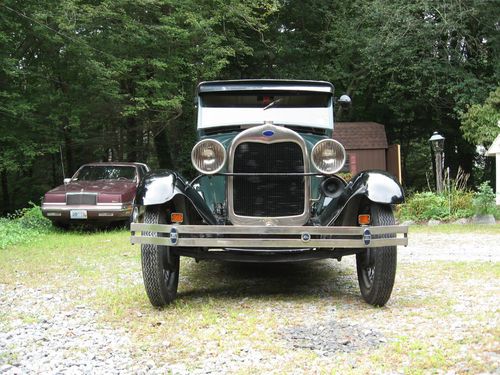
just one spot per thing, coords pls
(223, 308)
(455, 228)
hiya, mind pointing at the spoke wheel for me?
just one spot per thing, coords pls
(160, 270)
(376, 267)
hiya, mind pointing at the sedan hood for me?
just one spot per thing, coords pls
(100, 186)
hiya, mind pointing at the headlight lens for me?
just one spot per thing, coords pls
(328, 156)
(208, 156)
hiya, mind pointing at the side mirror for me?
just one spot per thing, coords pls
(67, 181)
(345, 101)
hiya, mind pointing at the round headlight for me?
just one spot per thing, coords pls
(328, 156)
(208, 156)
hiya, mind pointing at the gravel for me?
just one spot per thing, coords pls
(51, 335)
(331, 337)
(450, 247)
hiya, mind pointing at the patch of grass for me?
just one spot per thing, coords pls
(455, 228)
(25, 226)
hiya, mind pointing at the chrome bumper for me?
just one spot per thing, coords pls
(62, 210)
(251, 237)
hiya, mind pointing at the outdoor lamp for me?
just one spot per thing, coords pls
(437, 142)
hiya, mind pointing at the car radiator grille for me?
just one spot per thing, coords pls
(268, 196)
(81, 199)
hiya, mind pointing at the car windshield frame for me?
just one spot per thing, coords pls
(105, 172)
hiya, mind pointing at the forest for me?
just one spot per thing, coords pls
(81, 77)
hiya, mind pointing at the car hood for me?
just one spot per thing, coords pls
(100, 186)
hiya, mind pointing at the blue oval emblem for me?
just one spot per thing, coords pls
(367, 236)
(267, 133)
(174, 237)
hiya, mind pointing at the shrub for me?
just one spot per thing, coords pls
(452, 204)
(484, 200)
(24, 225)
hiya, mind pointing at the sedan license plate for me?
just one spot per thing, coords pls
(78, 214)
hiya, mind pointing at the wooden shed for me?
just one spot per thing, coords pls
(367, 148)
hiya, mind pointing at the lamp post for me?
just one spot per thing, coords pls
(437, 143)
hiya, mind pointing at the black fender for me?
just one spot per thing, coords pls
(372, 186)
(165, 186)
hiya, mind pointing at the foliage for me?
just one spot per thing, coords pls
(484, 200)
(24, 225)
(480, 124)
(83, 77)
(428, 205)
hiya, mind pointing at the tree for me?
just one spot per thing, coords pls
(481, 122)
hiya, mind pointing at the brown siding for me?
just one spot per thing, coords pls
(369, 159)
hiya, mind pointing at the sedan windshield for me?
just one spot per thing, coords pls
(100, 172)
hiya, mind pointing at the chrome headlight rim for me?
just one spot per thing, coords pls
(339, 146)
(197, 147)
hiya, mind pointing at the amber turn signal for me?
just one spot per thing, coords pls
(176, 217)
(364, 219)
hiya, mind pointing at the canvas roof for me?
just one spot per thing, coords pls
(360, 135)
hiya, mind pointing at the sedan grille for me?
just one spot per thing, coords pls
(268, 196)
(84, 198)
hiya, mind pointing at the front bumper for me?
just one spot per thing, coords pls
(269, 237)
(102, 212)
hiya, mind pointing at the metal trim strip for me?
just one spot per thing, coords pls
(270, 242)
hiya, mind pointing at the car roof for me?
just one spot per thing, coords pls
(114, 163)
(264, 85)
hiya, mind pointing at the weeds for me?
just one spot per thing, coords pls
(484, 200)
(450, 205)
(24, 225)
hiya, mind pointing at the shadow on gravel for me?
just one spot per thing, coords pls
(325, 278)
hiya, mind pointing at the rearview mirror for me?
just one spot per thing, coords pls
(67, 181)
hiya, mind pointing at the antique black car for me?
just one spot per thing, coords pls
(268, 191)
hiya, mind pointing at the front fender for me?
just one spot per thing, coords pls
(378, 186)
(168, 186)
(374, 186)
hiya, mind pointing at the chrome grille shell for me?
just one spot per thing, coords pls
(280, 134)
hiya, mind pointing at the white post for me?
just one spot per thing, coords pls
(497, 157)
(494, 150)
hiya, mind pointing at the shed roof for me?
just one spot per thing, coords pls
(360, 135)
(495, 147)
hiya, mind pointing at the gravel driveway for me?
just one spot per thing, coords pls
(48, 333)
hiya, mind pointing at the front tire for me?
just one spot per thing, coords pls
(159, 270)
(377, 266)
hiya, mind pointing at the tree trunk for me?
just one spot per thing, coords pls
(5, 193)
(162, 150)
(131, 139)
(68, 145)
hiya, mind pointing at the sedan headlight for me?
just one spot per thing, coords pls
(208, 156)
(328, 156)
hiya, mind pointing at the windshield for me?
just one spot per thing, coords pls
(255, 100)
(293, 108)
(101, 172)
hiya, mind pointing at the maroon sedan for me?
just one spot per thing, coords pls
(97, 192)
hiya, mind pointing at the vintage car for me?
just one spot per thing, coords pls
(267, 191)
(97, 192)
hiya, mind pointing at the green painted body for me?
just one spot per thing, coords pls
(213, 188)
